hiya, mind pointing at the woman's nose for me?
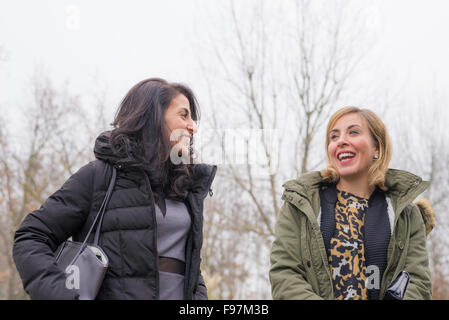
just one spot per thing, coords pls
(342, 140)
(192, 127)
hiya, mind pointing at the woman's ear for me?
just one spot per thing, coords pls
(376, 154)
(376, 151)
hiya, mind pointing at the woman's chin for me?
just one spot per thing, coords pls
(348, 174)
(345, 171)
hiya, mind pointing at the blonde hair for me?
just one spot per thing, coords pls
(380, 137)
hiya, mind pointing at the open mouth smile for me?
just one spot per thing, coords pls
(345, 157)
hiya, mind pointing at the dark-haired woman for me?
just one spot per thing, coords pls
(152, 228)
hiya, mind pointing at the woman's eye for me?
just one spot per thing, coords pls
(353, 132)
(332, 137)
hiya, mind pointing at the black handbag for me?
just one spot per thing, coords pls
(85, 264)
(396, 290)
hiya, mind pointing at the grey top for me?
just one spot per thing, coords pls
(172, 232)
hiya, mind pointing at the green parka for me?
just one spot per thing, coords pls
(299, 263)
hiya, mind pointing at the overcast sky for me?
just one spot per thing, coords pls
(118, 43)
(94, 44)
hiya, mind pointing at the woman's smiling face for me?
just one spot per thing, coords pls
(351, 147)
(180, 125)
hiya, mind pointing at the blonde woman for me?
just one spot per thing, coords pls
(346, 232)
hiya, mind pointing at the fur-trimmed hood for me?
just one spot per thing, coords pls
(427, 213)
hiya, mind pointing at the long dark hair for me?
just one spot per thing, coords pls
(140, 137)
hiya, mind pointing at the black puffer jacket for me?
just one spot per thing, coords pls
(128, 233)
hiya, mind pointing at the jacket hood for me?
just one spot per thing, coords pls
(427, 213)
(102, 148)
(202, 174)
(403, 188)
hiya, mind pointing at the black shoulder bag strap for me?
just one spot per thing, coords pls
(98, 217)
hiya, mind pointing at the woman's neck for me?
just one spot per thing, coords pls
(358, 187)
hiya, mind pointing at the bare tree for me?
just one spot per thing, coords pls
(53, 145)
(324, 58)
(421, 147)
(280, 67)
(434, 147)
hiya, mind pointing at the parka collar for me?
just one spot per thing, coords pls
(306, 185)
(403, 187)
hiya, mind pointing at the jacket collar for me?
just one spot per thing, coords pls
(403, 188)
(202, 177)
(203, 174)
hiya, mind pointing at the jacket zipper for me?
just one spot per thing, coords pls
(208, 187)
(151, 198)
(392, 259)
(211, 178)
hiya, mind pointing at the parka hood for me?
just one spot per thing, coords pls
(403, 188)
(427, 213)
